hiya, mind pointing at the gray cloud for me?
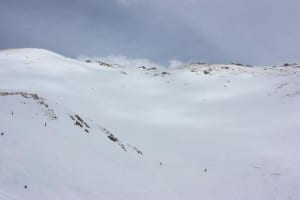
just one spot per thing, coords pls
(255, 32)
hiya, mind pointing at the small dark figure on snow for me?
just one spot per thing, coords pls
(25, 186)
(160, 163)
(205, 170)
(45, 124)
(12, 113)
(2, 133)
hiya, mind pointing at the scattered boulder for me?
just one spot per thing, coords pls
(165, 73)
(104, 64)
(112, 138)
(39, 100)
(151, 68)
(289, 64)
(142, 67)
(242, 65)
(238, 64)
(206, 71)
(80, 122)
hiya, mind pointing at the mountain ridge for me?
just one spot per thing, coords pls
(145, 133)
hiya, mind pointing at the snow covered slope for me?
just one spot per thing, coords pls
(91, 130)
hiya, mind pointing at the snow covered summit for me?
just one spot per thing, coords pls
(72, 129)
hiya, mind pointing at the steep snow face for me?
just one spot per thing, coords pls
(91, 130)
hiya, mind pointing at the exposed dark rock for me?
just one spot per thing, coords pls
(80, 122)
(289, 64)
(112, 138)
(242, 65)
(165, 73)
(39, 100)
(206, 72)
(104, 64)
(151, 68)
(77, 123)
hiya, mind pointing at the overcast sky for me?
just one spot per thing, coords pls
(255, 32)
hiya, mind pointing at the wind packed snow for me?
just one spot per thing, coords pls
(87, 130)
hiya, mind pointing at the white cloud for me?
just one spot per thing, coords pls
(132, 62)
(173, 64)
